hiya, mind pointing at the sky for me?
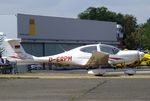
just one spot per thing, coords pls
(71, 8)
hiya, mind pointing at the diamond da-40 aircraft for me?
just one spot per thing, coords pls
(87, 55)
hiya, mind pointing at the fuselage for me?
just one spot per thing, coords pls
(81, 55)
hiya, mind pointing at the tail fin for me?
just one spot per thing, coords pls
(13, 49)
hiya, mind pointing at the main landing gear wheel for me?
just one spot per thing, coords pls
(130, 72)
(97, 72)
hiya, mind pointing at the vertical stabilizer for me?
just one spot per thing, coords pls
(13, 49)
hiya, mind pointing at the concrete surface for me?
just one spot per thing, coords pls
(78, 88)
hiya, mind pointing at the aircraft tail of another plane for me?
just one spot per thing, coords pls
(13, 49)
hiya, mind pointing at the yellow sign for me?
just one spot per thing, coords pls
(32, 30)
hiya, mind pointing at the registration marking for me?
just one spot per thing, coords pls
(60, 59)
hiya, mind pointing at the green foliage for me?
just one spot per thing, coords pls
(128, 22)
(101, 14)
(134, 40)
(147, 27)
(146, 38)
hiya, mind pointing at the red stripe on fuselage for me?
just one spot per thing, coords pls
(14, 57)
(114, 58)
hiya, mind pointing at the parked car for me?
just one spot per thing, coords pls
(35, 67)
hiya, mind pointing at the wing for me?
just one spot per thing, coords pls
(98, 59)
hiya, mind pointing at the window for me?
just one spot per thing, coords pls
(89, 49)
(109, 49)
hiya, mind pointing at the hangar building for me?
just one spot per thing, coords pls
(45, 35)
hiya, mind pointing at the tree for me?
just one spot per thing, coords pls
(101, 14)
(130, 30)
(128, 22)
(134, 40)
(146, 34)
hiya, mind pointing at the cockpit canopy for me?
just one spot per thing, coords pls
(108, 49)
(100, 47)
(89, 49)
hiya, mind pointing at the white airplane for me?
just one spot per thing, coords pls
(88, 55)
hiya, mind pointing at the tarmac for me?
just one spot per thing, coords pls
(73, 86)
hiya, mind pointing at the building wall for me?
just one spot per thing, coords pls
(43, 35)
(53, 28)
